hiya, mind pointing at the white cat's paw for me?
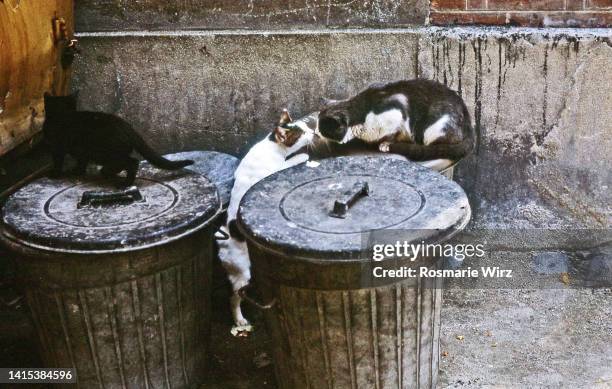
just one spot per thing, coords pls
(297, 159)
(242, 322)
(384, 147)
(242, 329)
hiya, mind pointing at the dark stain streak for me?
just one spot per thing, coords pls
(204, 50)
(489, 60)
(444, 75)
(540, 138)
(605, 40)
(433, 60)
(555, 42)
(417, 51)
(576, 45)
(477, 47)
(499, 80)
(448, 62)
(460, 67)
(437, 65)
(444, 50)
(118, 101)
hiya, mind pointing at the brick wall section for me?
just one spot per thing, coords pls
(534, 13)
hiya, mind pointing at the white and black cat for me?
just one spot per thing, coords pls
(96, 137)
(279, 150)
(419, 119)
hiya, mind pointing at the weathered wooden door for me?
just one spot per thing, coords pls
(33, 35)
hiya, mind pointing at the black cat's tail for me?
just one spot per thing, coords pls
(154, 158)
(453, 151)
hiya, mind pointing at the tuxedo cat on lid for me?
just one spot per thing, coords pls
(420, 119)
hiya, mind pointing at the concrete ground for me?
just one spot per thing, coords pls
(557, 337)
(527, 338)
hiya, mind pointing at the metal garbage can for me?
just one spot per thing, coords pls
(217, 167)
(332, 326)
(118, 283)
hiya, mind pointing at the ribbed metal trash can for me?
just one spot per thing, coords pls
(332, 324)
(217, 167)
(118, 283)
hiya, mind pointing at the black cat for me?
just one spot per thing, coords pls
(96, 137)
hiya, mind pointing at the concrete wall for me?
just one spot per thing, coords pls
(543, 104)
(540, 100)
(111, 15)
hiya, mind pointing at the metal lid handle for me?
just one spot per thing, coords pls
(99, 198)
(348, 198)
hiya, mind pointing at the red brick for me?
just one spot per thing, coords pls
(447, 4)
(530, 19)
(527, 19)
(573, 5)
(561, 19)
(526, 5)
(586, 19)
(602, 4)
(477, 4)
(450, 18)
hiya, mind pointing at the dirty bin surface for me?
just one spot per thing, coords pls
(118, 282)
(217, 167)
(290, 211)
(307, 229)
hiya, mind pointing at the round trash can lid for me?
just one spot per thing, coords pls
(325, 212)
(92, 216)
(217, 167)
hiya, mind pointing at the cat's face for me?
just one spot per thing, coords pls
(334, 121)
(56, 105)
(292, 135)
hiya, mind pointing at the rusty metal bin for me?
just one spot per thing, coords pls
(332, 325)
(118, 284)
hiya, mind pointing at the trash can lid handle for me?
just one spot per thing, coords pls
(348, 198)
(98, 198)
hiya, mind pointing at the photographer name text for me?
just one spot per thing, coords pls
(425, 272)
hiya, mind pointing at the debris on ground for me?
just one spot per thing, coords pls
(565, 278)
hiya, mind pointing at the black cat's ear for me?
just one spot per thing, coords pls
(284, 118)
(327, 102)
